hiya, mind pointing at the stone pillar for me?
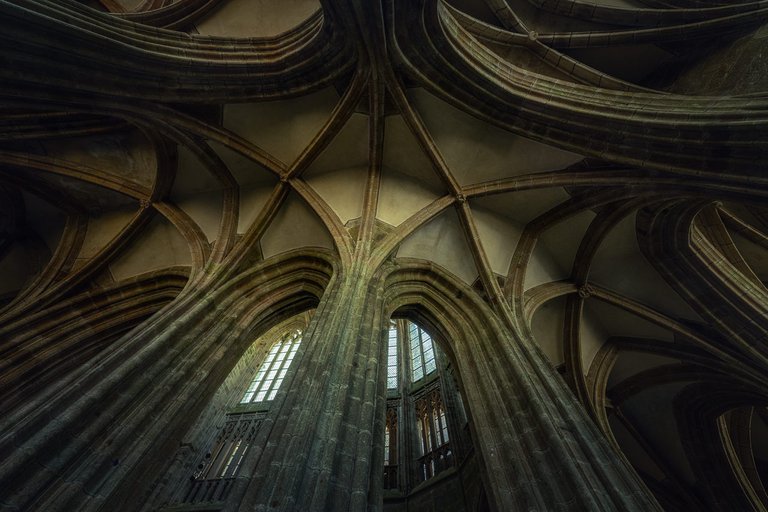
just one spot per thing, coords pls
(315, 453)
(99, 443)
(539, 449)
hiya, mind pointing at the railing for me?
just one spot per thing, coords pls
(206, 491)
(390, 477)
(214, 477)
(434, 462)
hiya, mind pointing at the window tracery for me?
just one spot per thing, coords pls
(417, 440)
(392, 365)
(432, 427)
(221, 464)
(271, 374)
(215, 475)
(391, 449)
(422, 353)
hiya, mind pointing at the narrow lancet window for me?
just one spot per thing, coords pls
(213, 478)
(433, 435)
(392, 365)
(422, 353)
(271, 374)
(415, 387)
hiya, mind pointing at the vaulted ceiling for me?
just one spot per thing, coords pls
(599, 165)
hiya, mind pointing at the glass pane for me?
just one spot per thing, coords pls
(422, 442)
(386, 446)
(273, 370)
(417, 370)
(392, 358)
(429, 353)
(445, 426)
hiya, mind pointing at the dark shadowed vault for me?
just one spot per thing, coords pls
(368, 255)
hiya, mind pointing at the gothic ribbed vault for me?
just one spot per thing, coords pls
(572, 195)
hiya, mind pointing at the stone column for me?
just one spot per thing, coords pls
(97, 444)
(315, 452)
(539, 449)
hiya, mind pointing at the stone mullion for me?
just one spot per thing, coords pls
(405, 417)
(406, 380)
(412, 444)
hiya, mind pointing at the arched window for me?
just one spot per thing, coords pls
(419, 428)
(272, 372)
(422, 353)
(221, 463)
